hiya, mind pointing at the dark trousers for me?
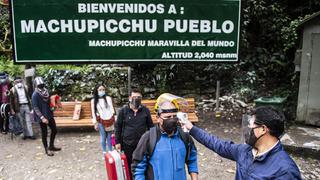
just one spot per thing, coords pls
(44, 133)
(128, 151)
(4, 121)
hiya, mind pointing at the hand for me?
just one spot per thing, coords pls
(45, 120)
(118, 147)
(13, 113)
(187, 124)
(96, 126)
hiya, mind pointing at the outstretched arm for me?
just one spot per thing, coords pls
(226, 149)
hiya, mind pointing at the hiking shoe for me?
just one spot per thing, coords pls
(54, 148)
(32, 137)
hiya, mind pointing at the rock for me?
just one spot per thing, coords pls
(231, 171)
(149, 90)
(209, 101)
(242, 104)
(9, 156)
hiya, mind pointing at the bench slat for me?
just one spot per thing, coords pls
(64, 117)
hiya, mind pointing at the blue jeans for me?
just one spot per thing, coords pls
(105, 138)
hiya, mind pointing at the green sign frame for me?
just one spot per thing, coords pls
(74, 31)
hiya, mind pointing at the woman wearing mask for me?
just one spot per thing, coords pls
(44, 115)
(103, 116)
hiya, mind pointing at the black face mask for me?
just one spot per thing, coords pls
(41, 86)
(250, 137)
(170, 125)
(136, 102)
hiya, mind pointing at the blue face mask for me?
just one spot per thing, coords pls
(101, 93)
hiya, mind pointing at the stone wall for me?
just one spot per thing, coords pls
(187, 80)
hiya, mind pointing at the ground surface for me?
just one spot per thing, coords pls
(81, 156)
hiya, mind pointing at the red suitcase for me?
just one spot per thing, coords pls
(117, 166)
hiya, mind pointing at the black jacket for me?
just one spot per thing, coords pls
(129, 126)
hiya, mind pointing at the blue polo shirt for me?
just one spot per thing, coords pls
(274, 164)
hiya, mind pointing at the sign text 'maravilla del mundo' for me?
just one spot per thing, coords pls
(119, 31)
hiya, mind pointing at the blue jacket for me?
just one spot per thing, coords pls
(41, 107)
(167, 161)
(275, 164)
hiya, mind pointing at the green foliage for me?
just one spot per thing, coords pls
(42, 70)
(7, 66)
(5, 32)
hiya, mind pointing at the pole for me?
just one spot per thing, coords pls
(29, 81)
(218, 113)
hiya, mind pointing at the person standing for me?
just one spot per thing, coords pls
(44, 115)
(134, 119)
(4, 102)
(20, 106)
(165, 150)
(263, 156)
(103, 116)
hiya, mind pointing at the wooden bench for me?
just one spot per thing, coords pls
(64, 117)
(190, 109)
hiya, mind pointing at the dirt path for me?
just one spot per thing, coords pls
(81, 157)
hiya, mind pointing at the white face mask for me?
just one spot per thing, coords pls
(20, 85)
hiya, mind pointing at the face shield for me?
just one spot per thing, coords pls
(180, 103)
(247, 122)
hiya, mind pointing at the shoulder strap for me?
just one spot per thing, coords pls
(187, 142)
(154, 137)
(125, 113)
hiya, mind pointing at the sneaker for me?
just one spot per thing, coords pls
(49, 153)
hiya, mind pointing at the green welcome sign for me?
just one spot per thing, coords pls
(51, 31)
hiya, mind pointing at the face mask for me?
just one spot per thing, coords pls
(41, 86)
(20, 85)
(136, 102)
(250, 137)
(2, 81)
(170, 125)
(101, 93)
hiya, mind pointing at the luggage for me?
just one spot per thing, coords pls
(117, 166)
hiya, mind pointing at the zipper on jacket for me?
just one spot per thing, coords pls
(172, 155)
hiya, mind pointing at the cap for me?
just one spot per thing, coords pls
(38, 80)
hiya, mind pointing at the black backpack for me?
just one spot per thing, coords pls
(154, 136)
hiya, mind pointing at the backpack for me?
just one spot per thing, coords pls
(154, 136)
(15, 126)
